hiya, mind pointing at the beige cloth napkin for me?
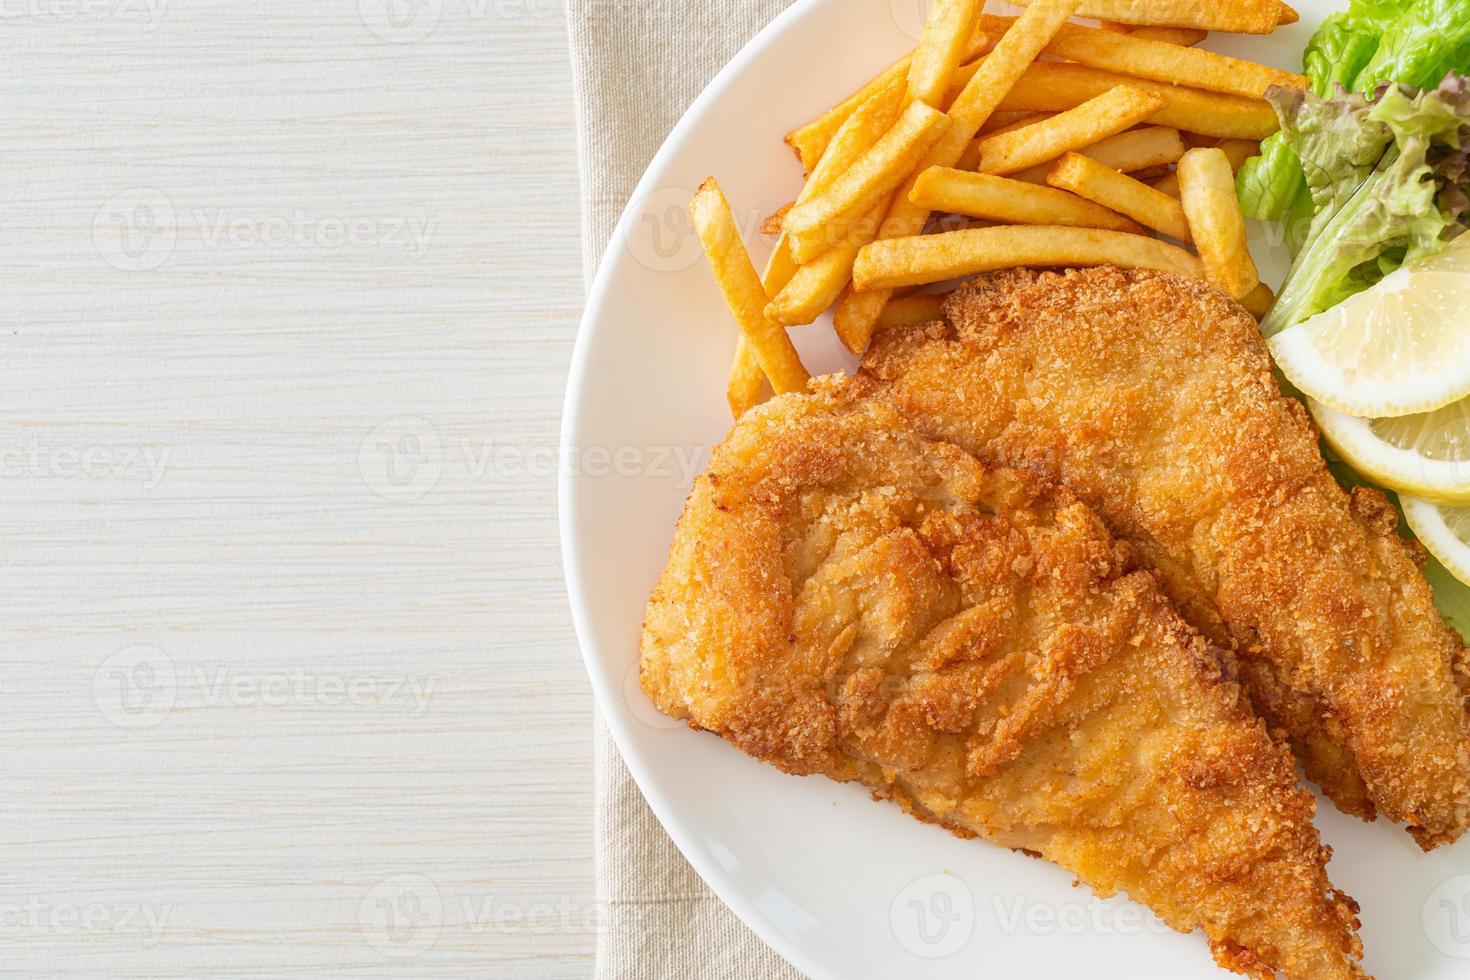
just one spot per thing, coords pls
(636, 66)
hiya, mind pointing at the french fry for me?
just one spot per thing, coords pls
(1186, 36)
(970, 159)
(1137, 149)
(1052, 86)
(773, 223)
(825, 219)
(1167, 184)
(1018, 48)
(1005, 120)
(936, 258)
(1235, 16)
(1107, 115)
(1207, 192)
(1140, 57)
(856, 136)
(1237, 151)
(1151, 173)
(815, 287)
(864, 127)
(940, 51)
(1012, 202)
(747, 386)
(1113, 27)
(742, 289)
(810, 140)
(1258, 301)
(1087, 178)
(911, 311)
(857, 315)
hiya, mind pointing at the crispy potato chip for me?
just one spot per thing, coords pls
(937, 258)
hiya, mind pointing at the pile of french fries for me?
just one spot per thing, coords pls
(1059, 144)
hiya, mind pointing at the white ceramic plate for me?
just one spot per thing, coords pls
(841, 886)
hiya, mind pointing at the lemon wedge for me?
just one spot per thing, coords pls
(1425, 455)
(1445, 530)
(1400, 348)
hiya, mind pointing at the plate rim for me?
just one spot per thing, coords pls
(613, 714)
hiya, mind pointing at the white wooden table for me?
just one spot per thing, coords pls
(287, 678)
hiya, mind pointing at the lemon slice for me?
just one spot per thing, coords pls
(1445, 530)
(1400, 348)
(1424, 455)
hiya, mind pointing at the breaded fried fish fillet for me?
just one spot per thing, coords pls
(846, 598)
(1151, 397)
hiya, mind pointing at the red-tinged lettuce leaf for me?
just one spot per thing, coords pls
(1373, 214)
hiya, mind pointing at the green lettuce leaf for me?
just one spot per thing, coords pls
(1422, 41)
(1451, 596)
(1414, 42)
(1387, 179)
(1270, 183)
(1341, 48)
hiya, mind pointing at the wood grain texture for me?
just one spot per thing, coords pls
(289, 687)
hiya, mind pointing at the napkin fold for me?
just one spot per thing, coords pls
(636, 66)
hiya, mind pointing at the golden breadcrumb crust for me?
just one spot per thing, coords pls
(846, 598)
(1151, 397)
